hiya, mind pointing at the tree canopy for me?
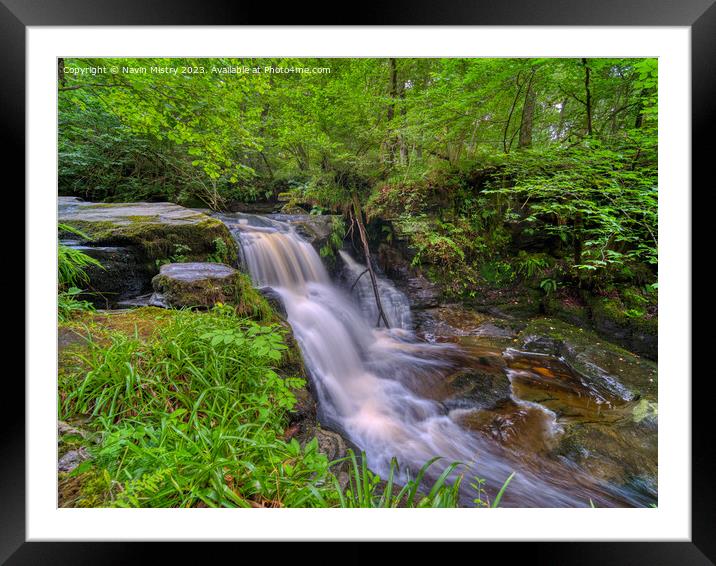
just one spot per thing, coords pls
(568, 143)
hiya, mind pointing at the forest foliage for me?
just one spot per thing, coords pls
(457, 152)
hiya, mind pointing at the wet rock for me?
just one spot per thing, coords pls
(515, 425)
(148, 300)
(422, 293)
(274, 299)
(196, 284)
(457, 320)
(616, 453)
(334, 447)
(315, 228)
(123, 273)
(496, 330)
(602, 363)
(477, 389)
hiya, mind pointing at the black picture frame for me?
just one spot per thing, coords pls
(699, 15)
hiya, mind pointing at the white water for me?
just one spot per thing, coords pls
(395, 304)
(367, 379)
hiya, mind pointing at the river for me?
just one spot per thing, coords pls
(400, 394)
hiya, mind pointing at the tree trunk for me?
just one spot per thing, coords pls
(505, 132)
(393, 87)
(577, 238)
(393, 139)
(528, 112)
(61, 71)
(639, 122)
(358, 215)
(588, 94)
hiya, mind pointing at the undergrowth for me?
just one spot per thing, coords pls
(195, 416)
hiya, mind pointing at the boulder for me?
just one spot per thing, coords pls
(123, 274)
(196, 284)
(72, 459)
(155, 229)
(129, 239)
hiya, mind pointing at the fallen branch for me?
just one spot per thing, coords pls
(358, 279)
(366, 250)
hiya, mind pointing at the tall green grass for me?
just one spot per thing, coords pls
(366, 489)
(195, 415)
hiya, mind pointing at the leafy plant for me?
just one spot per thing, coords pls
(549, 286)
(528, 265)
(179, 256)
(72, 264)
(220, 253)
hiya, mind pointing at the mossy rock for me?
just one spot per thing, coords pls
(204, 284)
(633, 330)
(290, 208)
(196, 284)
(156, 229)
(599, 361)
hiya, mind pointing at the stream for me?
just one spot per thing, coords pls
(416, 391)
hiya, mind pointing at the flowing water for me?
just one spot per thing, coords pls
(395, 304)
(394, 395)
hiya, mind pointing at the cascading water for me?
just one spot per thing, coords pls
(371, 382)
(395, 304)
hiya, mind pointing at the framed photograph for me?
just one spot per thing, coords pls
(437, 264)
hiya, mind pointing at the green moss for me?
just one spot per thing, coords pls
(89, 489)
(614, 311)
(202, 293)
(144, 218)
(158, 240)
(567, 311)
(249, 302)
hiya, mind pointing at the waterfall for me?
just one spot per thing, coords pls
(395, 303)
(371, 382)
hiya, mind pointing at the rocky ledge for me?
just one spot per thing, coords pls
(131, 239)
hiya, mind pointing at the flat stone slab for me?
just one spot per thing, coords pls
(125, 214)
(196, 271)
(599, 361)
(154, 230)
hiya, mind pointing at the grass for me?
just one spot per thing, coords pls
(367, 489)
(193, 414)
